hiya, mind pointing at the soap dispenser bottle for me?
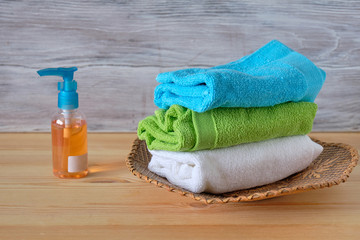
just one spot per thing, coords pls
(68, 128)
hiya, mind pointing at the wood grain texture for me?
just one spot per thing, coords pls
(120, 47)
(111, 203)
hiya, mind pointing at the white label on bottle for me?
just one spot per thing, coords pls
(77, 163)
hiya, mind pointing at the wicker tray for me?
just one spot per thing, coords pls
(332, 167)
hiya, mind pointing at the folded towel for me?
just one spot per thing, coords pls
(238, 167)
(181, 129)
(273, 74)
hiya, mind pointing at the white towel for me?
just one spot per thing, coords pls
(238, 167)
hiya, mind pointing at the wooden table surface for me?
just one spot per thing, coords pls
(111, 203)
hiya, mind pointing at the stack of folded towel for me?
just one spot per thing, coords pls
(235, 126)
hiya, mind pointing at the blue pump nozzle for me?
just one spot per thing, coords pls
(68, 98)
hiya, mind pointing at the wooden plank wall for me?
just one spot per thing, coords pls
(120, 47)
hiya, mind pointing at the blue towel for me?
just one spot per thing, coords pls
(272, 75)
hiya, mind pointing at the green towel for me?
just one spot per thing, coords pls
(181, 129)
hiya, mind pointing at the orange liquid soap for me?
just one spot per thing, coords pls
(68, 128)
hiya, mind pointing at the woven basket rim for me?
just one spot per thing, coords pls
(255, 196)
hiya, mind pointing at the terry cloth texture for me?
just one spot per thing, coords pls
(238, 167)
(181, 129)
(272, 75)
